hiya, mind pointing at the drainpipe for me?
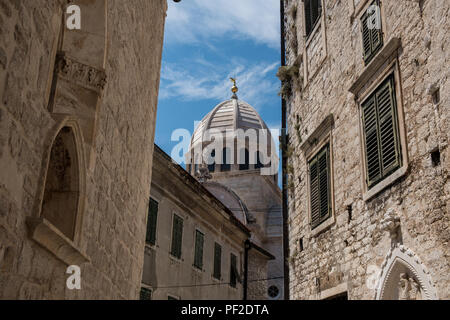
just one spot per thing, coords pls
(284, 141)
(247, 246)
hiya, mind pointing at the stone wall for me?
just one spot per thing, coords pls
(347, 255)
(118, 159)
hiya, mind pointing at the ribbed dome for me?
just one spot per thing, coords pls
(231, 114)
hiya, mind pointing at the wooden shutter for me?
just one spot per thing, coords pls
(198, 256)
(152, 222)
(177, 236)
(381, 133)
(372, 39)
(217, 261)
(308, 22)
(390, 155)
(320, 187)
(233, 270)
(370, 121)
(366, 39)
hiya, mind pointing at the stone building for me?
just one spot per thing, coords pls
(74, 171)
(194, 245)
(233, 146)
(367, 91)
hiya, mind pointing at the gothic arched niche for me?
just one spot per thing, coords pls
(79, 76)
(62, 184)
(404, 277)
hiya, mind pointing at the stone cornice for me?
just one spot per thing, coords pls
(79, 73)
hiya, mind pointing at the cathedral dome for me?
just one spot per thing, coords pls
(231, 114)
(231, 137)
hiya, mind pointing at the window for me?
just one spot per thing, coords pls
(146, 294)
(380, 129)
(177, 236)
(246, 164)
(152, 222)
(62, 184)
(258, 161)
(217, 261)
(212, 166)
(313, 10)
(320, 195)
(372, 34)
(226, 163)
(233, 271)
(198, 251)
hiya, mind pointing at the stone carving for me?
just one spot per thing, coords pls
(409, 289)
(390, 223)
(203, 173)
(80, 73)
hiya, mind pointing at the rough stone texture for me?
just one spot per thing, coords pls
(345, 252)
(117, 177)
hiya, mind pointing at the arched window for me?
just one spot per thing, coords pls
(246, 164)
(226, 161)
(62, 184)
(212, 166)
(258, 164)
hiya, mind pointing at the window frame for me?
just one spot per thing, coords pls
(233, 284)
(315, 142)
(316, 158)
(382, 174)
(219, 275)
(314, 24)
(392, 68)
(148, 221)
(373, 52)
(195, 265)
(172, 253)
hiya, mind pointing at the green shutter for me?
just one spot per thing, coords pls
(367, 48)
(320, 194)
(370, 122)
(145, 294)
(381, 133)
(372, 39)
(177, 236)
(308, 22)
(217, 261)
(390, 155)
(152, 222)
(198, 255)
(233, 270)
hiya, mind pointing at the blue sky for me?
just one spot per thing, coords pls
(206, 43)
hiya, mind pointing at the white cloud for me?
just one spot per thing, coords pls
(200, 20)
(209, 81)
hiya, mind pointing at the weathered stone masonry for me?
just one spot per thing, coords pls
(344, 255)
(124, 41)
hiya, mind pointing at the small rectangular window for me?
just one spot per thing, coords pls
(152, 222)
(177, 236)
(313, 11)
(217, 261)
(198, 255)
(372, 34)
(145, 294)
(319, 184)
(233, 271)
(380, 129)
